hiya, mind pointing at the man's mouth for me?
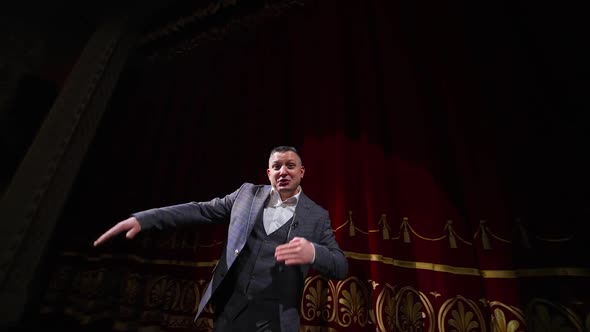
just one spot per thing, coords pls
(283, 182)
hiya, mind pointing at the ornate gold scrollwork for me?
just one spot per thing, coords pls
(353, 298)
(131, 288)
(413, 311)
(90, 282)
(501, 322)
(385, 307)
(465, 315)
(189, 297)
(544, 315)
(318, 300)
(164, 292)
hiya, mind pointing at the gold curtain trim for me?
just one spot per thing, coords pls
(491, 274)
(138, 259)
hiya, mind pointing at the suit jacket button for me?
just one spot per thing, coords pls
(236, 251)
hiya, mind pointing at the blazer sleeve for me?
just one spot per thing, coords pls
(329, 259)
(216, 210)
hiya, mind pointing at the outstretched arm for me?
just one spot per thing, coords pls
(173, 216)
(130, 225)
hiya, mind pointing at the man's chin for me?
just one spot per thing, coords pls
(285, 190)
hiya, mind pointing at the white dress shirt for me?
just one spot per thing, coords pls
(277, 212)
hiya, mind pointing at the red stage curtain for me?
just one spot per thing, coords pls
(429, 131)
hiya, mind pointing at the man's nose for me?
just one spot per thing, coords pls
(283, 170)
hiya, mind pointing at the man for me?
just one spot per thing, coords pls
(275, 234)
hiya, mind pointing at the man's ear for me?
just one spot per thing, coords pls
(302, 171)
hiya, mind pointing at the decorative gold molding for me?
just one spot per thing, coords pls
(489, 274)
(413, 309)
(385, 308)
(544, 313)
(327, 304)
(462, 315)
(138, 259)
(506, 318)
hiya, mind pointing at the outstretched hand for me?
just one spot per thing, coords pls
(130, 225)
(297, 252)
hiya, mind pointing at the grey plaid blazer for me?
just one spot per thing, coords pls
(242, 208)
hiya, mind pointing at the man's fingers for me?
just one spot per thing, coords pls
(298, 251)
(296, 240)
(289, 254)
(287, 249)
(131, 234)
(131, 225)
(108, 234)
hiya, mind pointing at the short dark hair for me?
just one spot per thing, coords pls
(285, 148)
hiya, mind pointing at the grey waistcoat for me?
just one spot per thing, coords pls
(256, 276)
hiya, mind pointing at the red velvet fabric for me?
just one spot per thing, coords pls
(424, 133)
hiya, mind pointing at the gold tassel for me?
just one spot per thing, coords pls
(485, 240)
(452, 240)
(385, 227)
(406, 232)
(351, 231)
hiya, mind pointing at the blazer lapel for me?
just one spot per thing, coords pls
(258, 206)
(301, 215)
(240, 228)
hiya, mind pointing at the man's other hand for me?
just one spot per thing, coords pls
(297, 252)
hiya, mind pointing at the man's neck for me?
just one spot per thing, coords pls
(286, 196)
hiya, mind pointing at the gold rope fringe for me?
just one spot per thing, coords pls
(483, 231)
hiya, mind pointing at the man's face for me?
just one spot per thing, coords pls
(285, 173)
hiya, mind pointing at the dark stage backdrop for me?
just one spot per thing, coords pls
(444, 140)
